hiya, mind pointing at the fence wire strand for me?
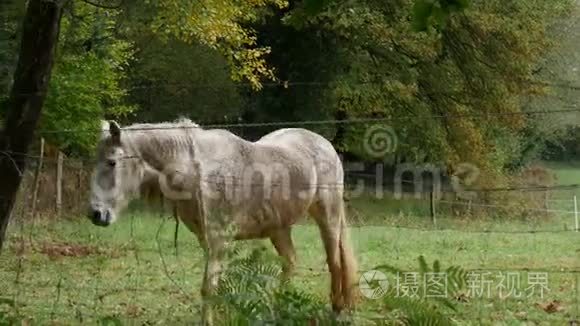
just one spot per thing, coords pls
(102, 287)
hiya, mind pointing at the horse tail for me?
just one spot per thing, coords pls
(349, 266)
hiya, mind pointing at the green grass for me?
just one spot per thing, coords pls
(567, 173)
(135, 274)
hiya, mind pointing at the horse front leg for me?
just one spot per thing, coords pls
(213, 268)
(282, 241)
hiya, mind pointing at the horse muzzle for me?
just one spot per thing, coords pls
(100, 218)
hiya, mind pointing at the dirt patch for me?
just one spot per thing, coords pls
(68, 250)
(551, 307)
(56, 250)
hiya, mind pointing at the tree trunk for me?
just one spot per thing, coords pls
(39, 38)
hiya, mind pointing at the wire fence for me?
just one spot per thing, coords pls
(155, 270)
(168, 280)
(59, 267)
(69, 297)
(334, 122)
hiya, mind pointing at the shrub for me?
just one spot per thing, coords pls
(425, 310)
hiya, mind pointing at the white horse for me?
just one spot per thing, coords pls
(225, 188)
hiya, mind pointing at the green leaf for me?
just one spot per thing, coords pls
(438, 10)
(422, 10)
(440, 15)
(110, 320)
(424, 268)
(436, 266)
(314, 7)
(388, 268)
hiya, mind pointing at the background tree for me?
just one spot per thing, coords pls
(454, 78)
(445, 88)
(11, 13)
(215, 24)
(171, 78)
(554, 136)
(39, 38)
(91, 64)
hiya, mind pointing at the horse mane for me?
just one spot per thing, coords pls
(181, 122)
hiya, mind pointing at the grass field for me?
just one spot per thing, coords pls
(566, 172)
(70, 272)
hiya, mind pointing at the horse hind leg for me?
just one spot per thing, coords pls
(282, 241)
(348, 261)
(330, 238)
(330, 217)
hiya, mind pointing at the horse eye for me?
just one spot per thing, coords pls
(112, 163)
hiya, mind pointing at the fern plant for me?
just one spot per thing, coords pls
(424, 309)
(252, 291)
(7, 312)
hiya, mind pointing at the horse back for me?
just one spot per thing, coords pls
(308, 145)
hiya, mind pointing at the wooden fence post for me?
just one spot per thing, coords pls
(546, 206)
(433, 213)
(81, 190)
(59, 184)
(577, 226)
(36, 184)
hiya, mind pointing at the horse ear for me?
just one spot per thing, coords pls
(104, 129)
(115, 132)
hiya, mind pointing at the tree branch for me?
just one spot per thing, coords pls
(99, 5)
